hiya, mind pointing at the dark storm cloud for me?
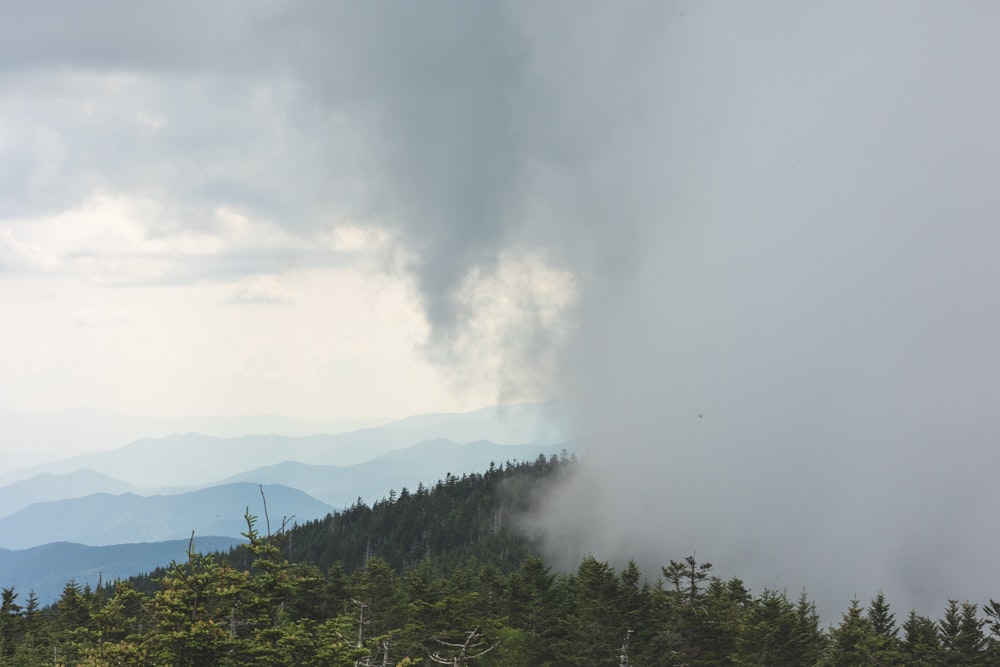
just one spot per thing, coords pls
(436, 92)
(780, 217)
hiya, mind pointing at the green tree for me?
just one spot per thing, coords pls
(921, 644)
(686, 615)
(34, 646)
(375, 585)
(852, 640)
(777, 633)
(591, 628)
(529, 605)
(11, 622)
(119, 626)
(962, 636)
(992, 621)
(197, 614)
(884, 648)
(72, 633)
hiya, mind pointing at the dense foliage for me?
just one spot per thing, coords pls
(439, 577)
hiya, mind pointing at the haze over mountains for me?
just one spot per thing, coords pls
(197, 459)
(162, 488)
(31, 439)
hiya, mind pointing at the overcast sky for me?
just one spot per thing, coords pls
(757, 240)
(254, 207)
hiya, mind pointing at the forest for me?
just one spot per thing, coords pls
(442, 575)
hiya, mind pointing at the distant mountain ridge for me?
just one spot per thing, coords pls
(547, 423)
(30, 439)
(425, 462)
(338, 486)
(104, 519)
(45, 487)
(46, 569)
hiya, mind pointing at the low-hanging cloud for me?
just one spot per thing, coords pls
(797, 379)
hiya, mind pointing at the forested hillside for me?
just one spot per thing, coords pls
(440, 575)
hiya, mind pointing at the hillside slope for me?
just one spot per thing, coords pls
(341, 486)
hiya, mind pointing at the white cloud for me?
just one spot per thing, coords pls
(121, 240)
(517, 320)
(17, 254)
(262, 289)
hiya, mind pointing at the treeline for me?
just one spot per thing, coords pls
(439, 577)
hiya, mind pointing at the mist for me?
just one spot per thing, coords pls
(795, 376)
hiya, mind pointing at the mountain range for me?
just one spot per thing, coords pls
(31, 439)
(45, 487)
(195, 459)
(157, 489)
(103, 518)
(48, 568)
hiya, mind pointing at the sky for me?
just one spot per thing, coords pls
(250, 208)
(756, 241)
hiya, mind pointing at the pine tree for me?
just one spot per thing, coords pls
(591, 630)
(773, 631)
(962, 635)
(992, 611)
(921, 645)
(11, 622)
(852, 640)
(34, 646)
(884, 647)
(198, 614)
(686, 615)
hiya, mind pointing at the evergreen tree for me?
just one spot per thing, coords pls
(962, 636)
(686, 613)
(377, 600)
(885, 640)
(34, 645)
(198, 614)
(635, 597)
(921, 645)
(992, 621)
(809, 640)
(852, 641)
(725, 604)
(777, 633)
(529, 606)
(72, 634)
(591, 630)
(11, 622)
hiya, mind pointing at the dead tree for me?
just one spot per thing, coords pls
(361, 621)
(466, 651)
(370, 661)
(623, 651)
(285, 520)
